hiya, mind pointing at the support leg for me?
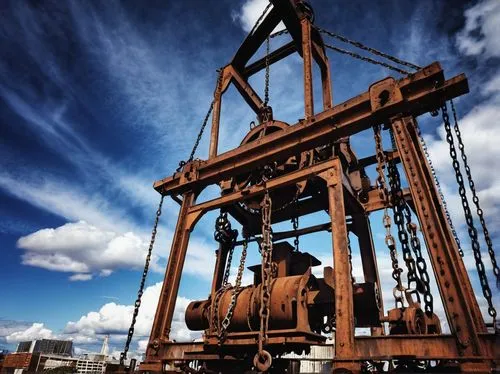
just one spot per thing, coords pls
(368, 259)
(344, 311)
(165, 310)
(307, 56)
(454, 286)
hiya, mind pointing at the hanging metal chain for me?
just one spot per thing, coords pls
(403, 219)
(440, 191)
(263, 358)
(295, 221)
(369, 49)
(398, 291)
(476, 250)
(349, 256)
(266, 83)
(226, 237)
(366, 59)
(236, 291)
(475, 198)
(424, 279)
(203, 125)
(137, 305)
(398, 203)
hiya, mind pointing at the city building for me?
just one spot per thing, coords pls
(47, 346)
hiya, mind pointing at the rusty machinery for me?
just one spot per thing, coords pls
(281, 172)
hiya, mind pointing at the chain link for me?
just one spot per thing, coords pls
(234, 296)
(369, 49)
(475, 198)
(366, 59)
(398, 290)
(203, 125)
(476, 250)
(349, 256)
(403, 219)
(397, 207)
(226, 237)
(266, 274)
(266, 83)
(440, 191)
(137, 305)
(295, 220)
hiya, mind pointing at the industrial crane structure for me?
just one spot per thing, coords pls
(283, 171)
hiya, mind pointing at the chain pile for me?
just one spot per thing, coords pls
(137, 305)
(476, 250)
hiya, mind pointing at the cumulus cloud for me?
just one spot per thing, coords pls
(111, 319)
(482, 27)
(250, 13)
(114, 319)
(35, 331)
(83, 249)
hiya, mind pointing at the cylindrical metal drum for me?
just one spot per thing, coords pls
(246, 316)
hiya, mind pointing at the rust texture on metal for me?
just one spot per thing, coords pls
(281, 172)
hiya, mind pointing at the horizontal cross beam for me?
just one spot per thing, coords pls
(419, 93)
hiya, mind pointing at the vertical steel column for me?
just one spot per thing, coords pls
(163, 318)
(214, 134)
(456, 292)
(344, 311)
(326, 83)
(368, 258)
(307, 56)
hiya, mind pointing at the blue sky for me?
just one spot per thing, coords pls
(99, 99)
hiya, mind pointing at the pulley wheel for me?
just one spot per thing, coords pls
(280, 197)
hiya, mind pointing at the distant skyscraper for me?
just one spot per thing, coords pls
(105, 347)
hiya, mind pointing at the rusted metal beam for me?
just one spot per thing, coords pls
(247, 92)
(375, 203)
(258, 190)
(166, 304)
(277, 236)
(372, 160)
(420, 93)
(307, 57)
(429, 347)
(253, 41)
(463, 313)
(344, 309)
(222, 86)
(273, 57)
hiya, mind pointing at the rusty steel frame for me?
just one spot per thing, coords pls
(421, 92)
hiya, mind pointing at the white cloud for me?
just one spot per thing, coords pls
(35, 331)
(250, 13)
(80, 277)
(113, 319)
(482, 27)
(82, 248)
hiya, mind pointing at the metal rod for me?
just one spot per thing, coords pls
(292, 233)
